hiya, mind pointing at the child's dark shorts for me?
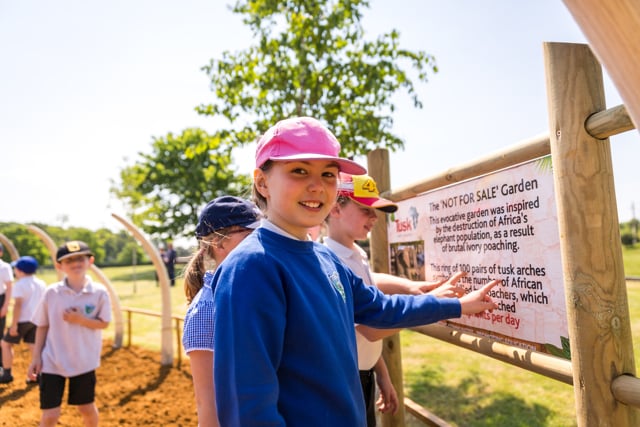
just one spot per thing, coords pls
(26, 332)
(82, 389)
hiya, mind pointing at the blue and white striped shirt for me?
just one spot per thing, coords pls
(198, 321)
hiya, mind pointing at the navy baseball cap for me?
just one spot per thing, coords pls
(225, 211)
(73, 248)
(26, 264)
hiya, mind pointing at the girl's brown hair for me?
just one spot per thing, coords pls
(259, 199)
(195, 269)
(204, 259)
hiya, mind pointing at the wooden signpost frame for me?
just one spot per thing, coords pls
(602, 368)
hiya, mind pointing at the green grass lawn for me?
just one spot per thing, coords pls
(462, 387)
(468, 389)
(631, 261)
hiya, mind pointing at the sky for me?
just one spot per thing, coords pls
(85, 86)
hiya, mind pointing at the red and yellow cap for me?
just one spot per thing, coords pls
(363, 189)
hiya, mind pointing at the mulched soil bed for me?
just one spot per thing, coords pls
(133, 390)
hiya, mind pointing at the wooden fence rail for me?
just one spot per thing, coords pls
(534, 361)
(177, 324)
(601, 125)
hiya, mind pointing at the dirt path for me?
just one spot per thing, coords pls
(133, 390)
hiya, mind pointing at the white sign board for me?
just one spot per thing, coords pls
(499, 226)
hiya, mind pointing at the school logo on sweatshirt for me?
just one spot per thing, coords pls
(334, 278)
(89, 308)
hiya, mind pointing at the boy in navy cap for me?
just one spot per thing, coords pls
(69, 322)
(27, 292)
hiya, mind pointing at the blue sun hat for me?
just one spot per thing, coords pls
(226, 211)
(26, 264)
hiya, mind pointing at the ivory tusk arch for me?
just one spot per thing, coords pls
(166, 357)
(9, 246)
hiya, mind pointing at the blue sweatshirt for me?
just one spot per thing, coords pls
(285, 348)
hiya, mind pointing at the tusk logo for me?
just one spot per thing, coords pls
(408, 223)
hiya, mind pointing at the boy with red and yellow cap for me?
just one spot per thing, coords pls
(350, 220)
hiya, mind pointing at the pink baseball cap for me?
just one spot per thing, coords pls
(302, 138)
(362, 189)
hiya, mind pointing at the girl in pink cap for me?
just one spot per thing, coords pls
(285, 305)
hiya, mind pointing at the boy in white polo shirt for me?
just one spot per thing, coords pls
(6, 279)
(351, 219)
(27, 292)
(68, 344)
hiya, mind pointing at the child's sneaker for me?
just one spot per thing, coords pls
(5, 379)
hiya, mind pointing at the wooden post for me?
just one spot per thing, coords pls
(178, 342)
(611, 27)
(597, 309)
(129, 328)
(378, 166)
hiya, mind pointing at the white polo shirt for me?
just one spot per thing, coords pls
(357, 260)
(30, 290)
(71, 349)
(6, 275)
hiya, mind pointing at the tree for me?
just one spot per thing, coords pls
(25, 242)
(166, 189)
(629, 232)
(106, 245)
(311, 58)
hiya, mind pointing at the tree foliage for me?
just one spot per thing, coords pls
(166, 188)
(312, 59)
(629, 232)
(109, 248)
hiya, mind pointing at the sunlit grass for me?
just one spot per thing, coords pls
(142, 291)
(631, 261)
(468, 389)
